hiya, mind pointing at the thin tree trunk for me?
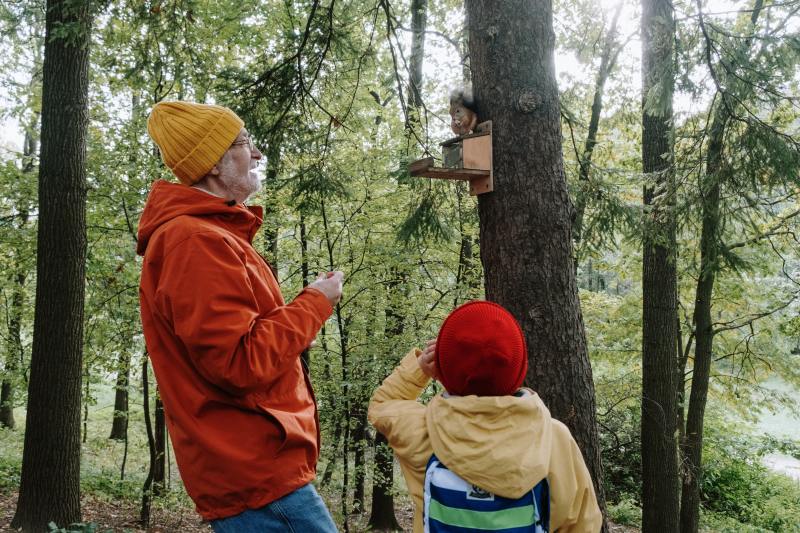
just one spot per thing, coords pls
(119, 425)
(608, 60)
(660, 483)
(50, 480)
(306, 354)
(382, 516)
(160, 431)
(419, 17)
(526, 231)
(360, 445)
(13, 352)
(327, 474)
(87, 396)
(147, 492)
(271, 205)
(704, 334)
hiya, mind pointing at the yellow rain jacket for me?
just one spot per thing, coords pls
(502, 444)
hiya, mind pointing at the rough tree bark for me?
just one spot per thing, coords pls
(49, 488)
(660, 483)
(525, 224)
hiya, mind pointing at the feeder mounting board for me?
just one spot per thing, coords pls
(468, 158)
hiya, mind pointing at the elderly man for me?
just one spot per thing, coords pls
(225, 346)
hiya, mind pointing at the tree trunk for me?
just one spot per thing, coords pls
(660, 484)
(306, 354)
(7, 398)
(50, 488)
(607, 62)
(704, 334)
(160, 431)
(709, 252)
(13, 352)
(271, 204)
(119, 426)
(360, 445)
(382, 516)
(526, 232)
(147, 492)
(419, 16)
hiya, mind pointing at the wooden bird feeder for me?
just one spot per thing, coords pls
(468, 158)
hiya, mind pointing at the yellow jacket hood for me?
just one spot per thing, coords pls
(499, 443)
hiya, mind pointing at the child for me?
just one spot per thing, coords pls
(516, 469)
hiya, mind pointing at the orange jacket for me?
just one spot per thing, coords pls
(225, 351)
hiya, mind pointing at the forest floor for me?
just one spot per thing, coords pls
(123, 516)
(119, 516)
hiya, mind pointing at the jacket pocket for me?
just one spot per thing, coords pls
(298, 428)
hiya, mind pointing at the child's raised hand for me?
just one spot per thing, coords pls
(427, 360)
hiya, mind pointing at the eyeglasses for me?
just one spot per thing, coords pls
(247, 141)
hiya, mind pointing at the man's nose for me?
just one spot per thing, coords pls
(255, 153)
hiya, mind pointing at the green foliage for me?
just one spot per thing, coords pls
(321, 85)
(79, 527)
(10, 460)
(737, 485)
(626, 512)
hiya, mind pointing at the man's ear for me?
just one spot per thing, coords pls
(214, 171)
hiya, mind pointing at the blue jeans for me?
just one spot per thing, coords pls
(301, 511)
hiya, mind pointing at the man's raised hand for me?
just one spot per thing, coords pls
(329, 284)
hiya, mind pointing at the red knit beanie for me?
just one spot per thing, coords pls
(481, 350)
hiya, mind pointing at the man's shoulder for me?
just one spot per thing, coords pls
(186, 228)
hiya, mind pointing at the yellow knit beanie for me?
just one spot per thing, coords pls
(192, 137)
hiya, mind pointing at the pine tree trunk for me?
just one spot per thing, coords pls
(526, 231)
(660, 483)
(119, 425)
(50, 488)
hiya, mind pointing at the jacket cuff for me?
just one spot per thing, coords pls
(409, 367)
(320, 302)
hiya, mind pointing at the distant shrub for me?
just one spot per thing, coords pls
(735, 484)
(627, 512)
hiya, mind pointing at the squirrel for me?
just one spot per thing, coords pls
(463, 114)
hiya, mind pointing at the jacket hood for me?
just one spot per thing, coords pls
(499, 443)
(168, 201)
